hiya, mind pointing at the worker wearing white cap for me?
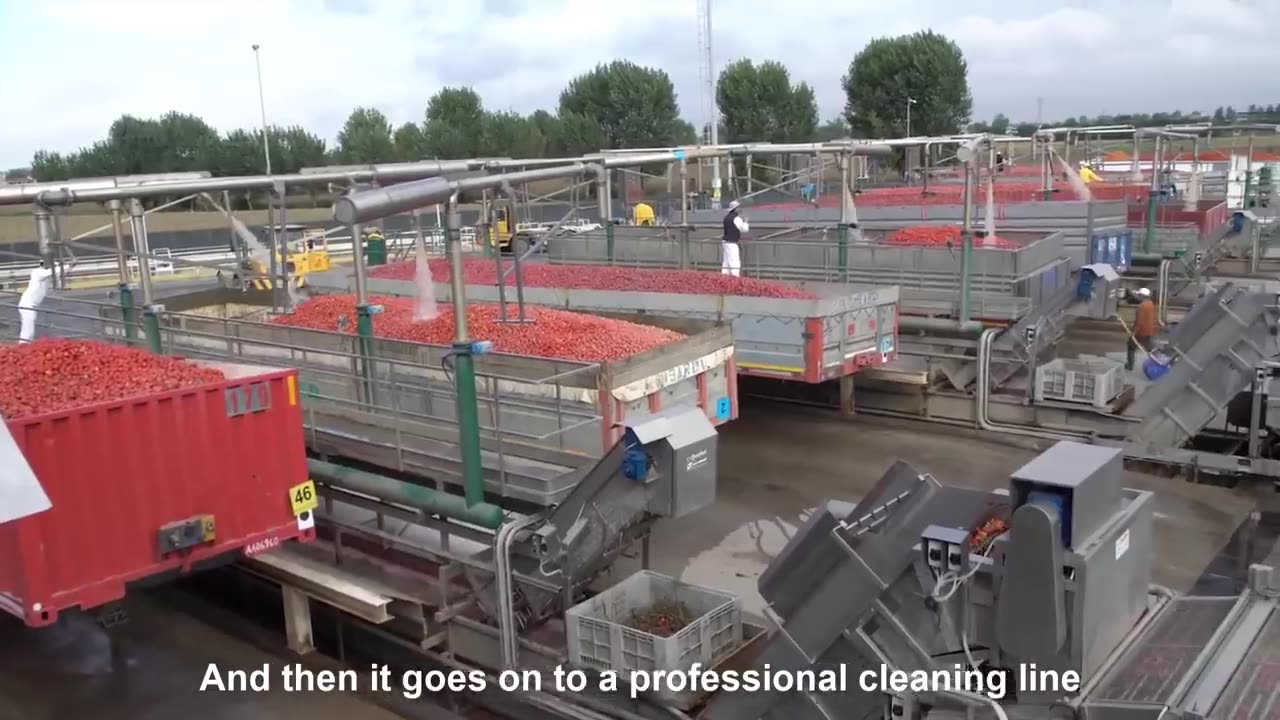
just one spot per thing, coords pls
(1145, 326)
(37, 290)
(730, 252)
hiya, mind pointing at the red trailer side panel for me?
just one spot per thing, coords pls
(213, 466)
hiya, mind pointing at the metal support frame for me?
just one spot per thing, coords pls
(1153, 198)
(464, 370)
(150, 311)
(126, 292)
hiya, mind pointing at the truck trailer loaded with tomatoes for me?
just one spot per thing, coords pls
(162, 469)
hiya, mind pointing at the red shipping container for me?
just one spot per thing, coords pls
(153, 485)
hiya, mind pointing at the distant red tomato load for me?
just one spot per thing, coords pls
(551, 334)
(596, 277)
(58, 374)
(941, 235)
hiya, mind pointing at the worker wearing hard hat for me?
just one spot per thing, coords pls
(37, 290)
(1087, 174)
(730, 252)
(1145, 326)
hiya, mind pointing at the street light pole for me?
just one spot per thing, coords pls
(262, 106)
(907, 153)
(277, 290)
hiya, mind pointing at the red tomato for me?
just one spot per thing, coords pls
(55, 374)
(552, 333)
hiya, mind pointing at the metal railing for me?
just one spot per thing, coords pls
(810, 255)
(393, 406)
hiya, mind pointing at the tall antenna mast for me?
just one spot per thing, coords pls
(710, 110)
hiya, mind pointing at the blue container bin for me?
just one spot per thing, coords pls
(1155, 367)
(1084, 289)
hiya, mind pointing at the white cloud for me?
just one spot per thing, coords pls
(76, 65)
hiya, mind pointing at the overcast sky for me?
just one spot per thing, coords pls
(70, 67)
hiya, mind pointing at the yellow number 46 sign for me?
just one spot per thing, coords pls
(303, 498)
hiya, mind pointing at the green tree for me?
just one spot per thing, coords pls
(550, 127)
(410, 143)
(293, 148)
(47, 166)
(579, 135)
(454, 124)
(365, 138)
(240, 153)
(507, 134)
(187, 143)
(1000, 124)
(684, 133)
(759, 103)
(1025, 129)
(925, 67)
(834, 129)
(134, 146)
(633, 106)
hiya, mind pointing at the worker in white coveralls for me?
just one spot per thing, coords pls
(37, 290)
(730, 251)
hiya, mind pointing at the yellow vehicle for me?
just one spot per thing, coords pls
(305, 253)
(500, 233)
(642, 214)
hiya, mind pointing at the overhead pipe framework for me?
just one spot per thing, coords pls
(376, 203)
(61, 194)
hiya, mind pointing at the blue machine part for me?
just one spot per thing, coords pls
(724, 408)
(635, 461)
(481, 347)
(1058, 504)
(678, 154)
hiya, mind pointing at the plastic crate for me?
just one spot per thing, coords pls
(600, 638)
(1093, 382)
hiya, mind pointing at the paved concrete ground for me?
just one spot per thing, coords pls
(778, 462)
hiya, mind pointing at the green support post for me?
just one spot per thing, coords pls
(684, 247)
(376, 250)
(151, 326)
(1248, 190)
(1149, 238)
(364, 343)
(842, 241)
(127, 316)
(464, 370)
(608, 239)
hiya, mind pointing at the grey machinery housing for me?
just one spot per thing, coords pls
(1065, 588)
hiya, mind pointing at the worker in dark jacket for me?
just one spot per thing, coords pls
(1145, 327)
(730, 252)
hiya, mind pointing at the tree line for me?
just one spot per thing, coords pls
(616, 105)
(918, 80)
